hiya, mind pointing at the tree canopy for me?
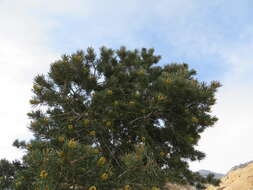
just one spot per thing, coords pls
(116, 120)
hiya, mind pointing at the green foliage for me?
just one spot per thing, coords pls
(7, 173)
(115, 121)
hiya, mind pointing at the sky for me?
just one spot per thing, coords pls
(214, 37)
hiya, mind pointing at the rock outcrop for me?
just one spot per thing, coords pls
(240, 178)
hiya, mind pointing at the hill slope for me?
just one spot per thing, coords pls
(237, 179)
(240, 166)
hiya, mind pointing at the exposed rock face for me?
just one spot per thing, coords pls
(240, 178)
(240, 166)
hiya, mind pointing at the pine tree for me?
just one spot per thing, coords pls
(7, 172)
(115, 120)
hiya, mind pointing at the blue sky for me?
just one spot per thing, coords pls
(185, 31)
(213, 37)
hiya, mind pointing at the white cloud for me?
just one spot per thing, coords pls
(229, 142)
(24, 53)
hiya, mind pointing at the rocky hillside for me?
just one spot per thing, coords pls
(239, 178)
(240, 166)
